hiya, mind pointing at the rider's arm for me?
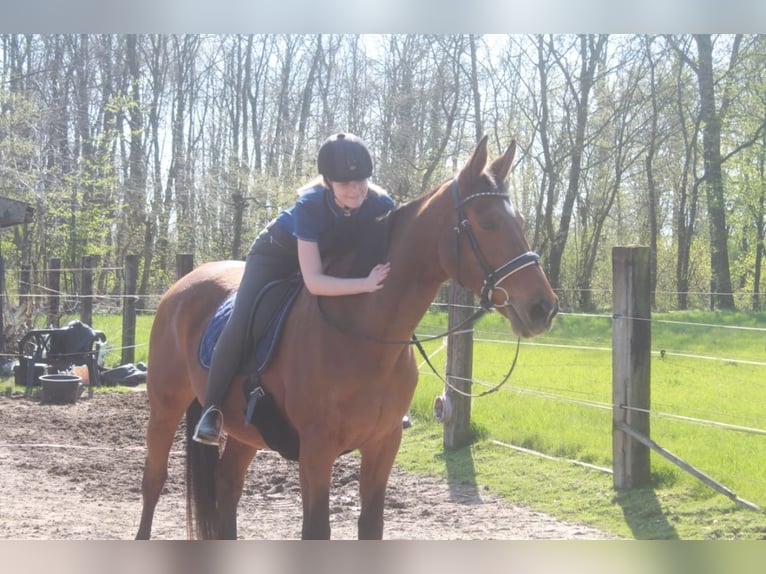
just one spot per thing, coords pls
(318, 283)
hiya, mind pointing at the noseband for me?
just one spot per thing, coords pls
(492, 277)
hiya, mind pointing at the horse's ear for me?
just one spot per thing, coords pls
(478, 160)
(502, 165)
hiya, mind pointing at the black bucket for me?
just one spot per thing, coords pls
(60, 388)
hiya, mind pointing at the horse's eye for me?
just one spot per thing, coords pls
(487, 225)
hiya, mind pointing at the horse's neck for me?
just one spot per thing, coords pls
(416, 271)
(393, 313)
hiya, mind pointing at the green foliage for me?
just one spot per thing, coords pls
(156, 158)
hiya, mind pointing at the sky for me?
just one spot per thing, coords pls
(383, 16)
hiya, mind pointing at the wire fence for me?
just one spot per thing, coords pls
(483, 336)
(38, 296)
(44, 298)
(587, 340)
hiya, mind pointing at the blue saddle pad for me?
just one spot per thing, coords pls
(213, 330)
(265, 346)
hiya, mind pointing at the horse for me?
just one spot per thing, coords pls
(343, 375)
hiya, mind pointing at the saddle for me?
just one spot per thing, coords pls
(267, 321)
(265, 325)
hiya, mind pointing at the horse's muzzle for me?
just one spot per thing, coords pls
(533, 320)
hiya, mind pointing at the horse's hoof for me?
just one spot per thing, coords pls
(406, 422)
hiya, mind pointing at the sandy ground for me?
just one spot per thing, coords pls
(73, 472)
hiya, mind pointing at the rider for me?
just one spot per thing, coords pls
(337, 200)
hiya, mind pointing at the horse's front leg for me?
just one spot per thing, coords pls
(229, 481)
(315, 462)
(377, 461)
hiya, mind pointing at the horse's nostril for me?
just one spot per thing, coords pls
(544, 311)
(554, 309)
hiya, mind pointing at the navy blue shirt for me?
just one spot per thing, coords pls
(317, 217)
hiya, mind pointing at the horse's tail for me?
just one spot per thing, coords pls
(201, 461)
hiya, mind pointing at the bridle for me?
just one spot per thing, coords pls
(492, 279)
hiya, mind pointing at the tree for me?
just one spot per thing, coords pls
(710, 117)
(588, 52)
(154, 144)
(614, 147)
(716, 95)
(184, 51)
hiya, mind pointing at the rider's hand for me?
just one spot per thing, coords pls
(377, 275)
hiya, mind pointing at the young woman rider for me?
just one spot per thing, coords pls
(326, 212)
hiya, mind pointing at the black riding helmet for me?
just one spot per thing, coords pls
(344, 157)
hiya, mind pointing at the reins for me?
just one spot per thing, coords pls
(489, 286)
(459, 391)
(413, 341)
(418, 343)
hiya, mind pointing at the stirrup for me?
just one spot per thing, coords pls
(208, 429)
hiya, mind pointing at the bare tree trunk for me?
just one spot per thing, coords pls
(158, 63)
(687, 200)
(546, 202)
(280, 134)
(253, 89)
(305, 110)
(446, 98)
(591, 52)
(136, 218)
(475, 91)
(651, 182)
(183, 54)
(760, 227)
(711, 145)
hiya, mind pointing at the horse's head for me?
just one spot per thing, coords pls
(487, 252)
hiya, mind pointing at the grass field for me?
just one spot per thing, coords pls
(558, 402)
(708, 408)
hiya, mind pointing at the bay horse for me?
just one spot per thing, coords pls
(340, 391)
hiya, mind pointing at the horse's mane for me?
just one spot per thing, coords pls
(368, 248)
(372, 243)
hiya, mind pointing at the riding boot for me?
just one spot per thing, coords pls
(208, 430)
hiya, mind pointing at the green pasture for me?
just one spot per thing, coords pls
(558, 402)
(708, 408)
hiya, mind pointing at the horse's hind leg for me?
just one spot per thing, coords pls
(164, 415)
(377, 461)
(229, 481)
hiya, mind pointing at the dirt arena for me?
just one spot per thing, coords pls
(73, 472)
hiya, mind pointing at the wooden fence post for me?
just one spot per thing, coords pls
(184, 264)
(25, 286)
(129, 309)
(457, 426)
(631, 364)
(2, 304)
(54, 291)
(89, 262)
